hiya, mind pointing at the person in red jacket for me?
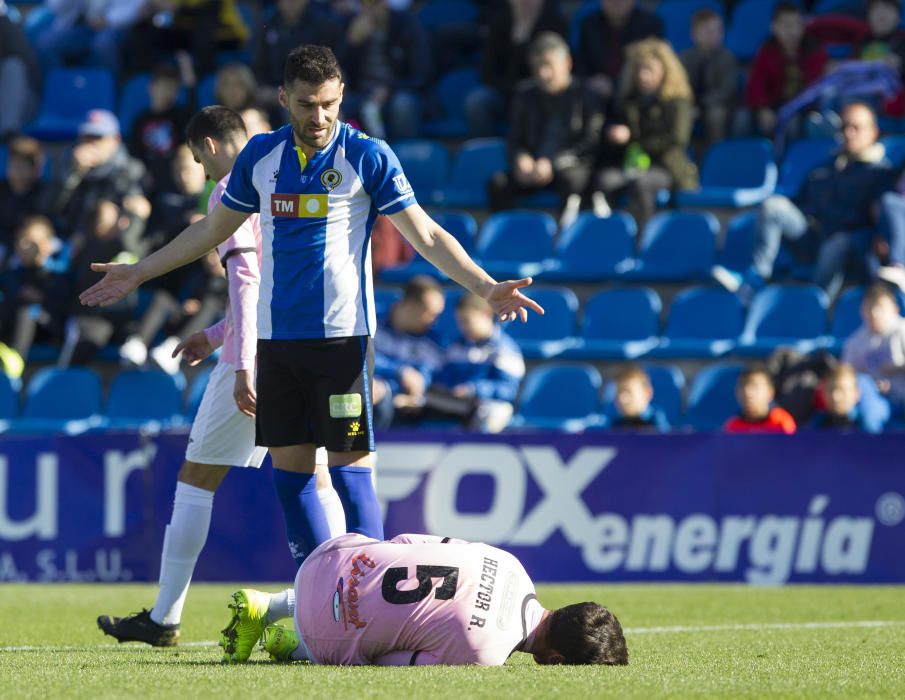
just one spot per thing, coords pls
(754, 392)
(784, 65)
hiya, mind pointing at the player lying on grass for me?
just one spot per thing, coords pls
(418, 600)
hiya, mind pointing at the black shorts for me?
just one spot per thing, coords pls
(316, 391)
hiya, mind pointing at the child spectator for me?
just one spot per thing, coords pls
(645, 149)
(842, 397)
(754, 392)
(713, 73)
(878, 347)
(31, 286)
(632, 405)
(784, 65)
(481, 372)
(22, 193)
(158, 130)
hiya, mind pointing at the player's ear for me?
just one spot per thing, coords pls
(210, 145)
(281, 96)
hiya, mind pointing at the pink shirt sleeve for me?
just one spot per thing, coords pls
(244, 277)
(215, 333)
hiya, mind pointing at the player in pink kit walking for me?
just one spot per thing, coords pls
(421, 600)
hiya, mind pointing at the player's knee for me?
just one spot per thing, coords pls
(350, 459)
(202, 476)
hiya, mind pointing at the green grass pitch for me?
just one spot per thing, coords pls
(684, 641)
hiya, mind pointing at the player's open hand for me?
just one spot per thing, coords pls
(508, 303)
(194, 348)
(120, 281)
(244, 393)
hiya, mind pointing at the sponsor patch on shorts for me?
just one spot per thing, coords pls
(345, 405)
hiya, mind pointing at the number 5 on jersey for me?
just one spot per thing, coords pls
(425, 575)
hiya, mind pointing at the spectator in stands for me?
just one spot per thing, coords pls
(88, 31)
(886, 42)
(158, 130)
(20, 78)
(408, 349)
(101, 169)
(30, 287)
(754, 392)
(256, 121)
(713, 73)
(235, 87)
(632, 405)
(110, 234)
(843, 397)
(784, 65)
(832, 219)
(553, 133)
(603, 36)
(295, 22)
(878, 347)
(388, 62)
(481, 372)
(645, 148)
(22, 193)
(513, 25)
(200, 27)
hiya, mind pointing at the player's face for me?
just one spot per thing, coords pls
(313, 110)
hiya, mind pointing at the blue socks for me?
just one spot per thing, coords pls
(306, 522)
(359, 499)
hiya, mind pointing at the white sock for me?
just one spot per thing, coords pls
(282, 605)
(185, 537)
(333, 509)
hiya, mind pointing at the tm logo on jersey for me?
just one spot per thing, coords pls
(298, 206)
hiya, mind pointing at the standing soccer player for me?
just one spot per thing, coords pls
(318, 184)
(422, 600)
(223, 432)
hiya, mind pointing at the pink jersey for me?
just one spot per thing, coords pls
(413, 600)
(241, 255)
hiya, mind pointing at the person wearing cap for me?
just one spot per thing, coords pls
(100, 169)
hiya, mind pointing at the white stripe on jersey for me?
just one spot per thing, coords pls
(261, 176)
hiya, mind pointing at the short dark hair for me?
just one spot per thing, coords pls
(704, 15)
(587, 633)
(877, 291)
(784, 8)
(755, 370)
(311, 64)
(27, 149)
(889, 3)
(166, 71)
(417, 288)
(216, 122)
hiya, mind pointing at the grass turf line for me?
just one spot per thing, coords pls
(752, 663)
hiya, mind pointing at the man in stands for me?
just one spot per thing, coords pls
(419, 600)
(831, 221)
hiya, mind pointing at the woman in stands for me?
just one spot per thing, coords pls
(644, 150)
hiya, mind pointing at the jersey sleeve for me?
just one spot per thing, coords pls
(384, 180)
(240, 193)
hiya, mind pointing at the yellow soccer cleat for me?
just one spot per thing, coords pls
(245, 627)
(279, 642)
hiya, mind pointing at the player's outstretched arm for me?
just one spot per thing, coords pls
(196, 240)
(442, 249)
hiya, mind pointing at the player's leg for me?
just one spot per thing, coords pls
(329, 498)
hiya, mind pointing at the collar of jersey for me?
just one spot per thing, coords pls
(303, 159)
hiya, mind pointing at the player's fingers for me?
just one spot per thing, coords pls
(102, 267)
(179, 348)
(531, 304)
(518, 284)
(523, 314)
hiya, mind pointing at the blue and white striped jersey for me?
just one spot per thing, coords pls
(316, 220)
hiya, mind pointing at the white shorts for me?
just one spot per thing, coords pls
(221, 433)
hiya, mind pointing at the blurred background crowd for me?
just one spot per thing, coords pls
(708, 193)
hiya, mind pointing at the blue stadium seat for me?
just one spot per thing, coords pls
(426, 165)
(855, 8)
(135, 99)
(450, 92)
(738, 242)
(621, 323)
(69, 94)
(196, 391)
(548, 335)
(559, 397)
(846, 318)
(583, 10)
(711, 401)
(677, 246)
(895, 149)
(440, 13)
(800, 159)
(749, 27)
(593, 249)
(702, 322)
(384, 299)
(67, 400)
(37, 21)
(515, 244)
(475, 164)
(668, 383)
(460, 224)
(736, 173)
(445, 324)
(9, 400)
(676, 16)
(140, 397)
(204, 91)
(784, 316)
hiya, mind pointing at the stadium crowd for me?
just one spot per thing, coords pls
(605, 106)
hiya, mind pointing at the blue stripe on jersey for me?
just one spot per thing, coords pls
(367, 390)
